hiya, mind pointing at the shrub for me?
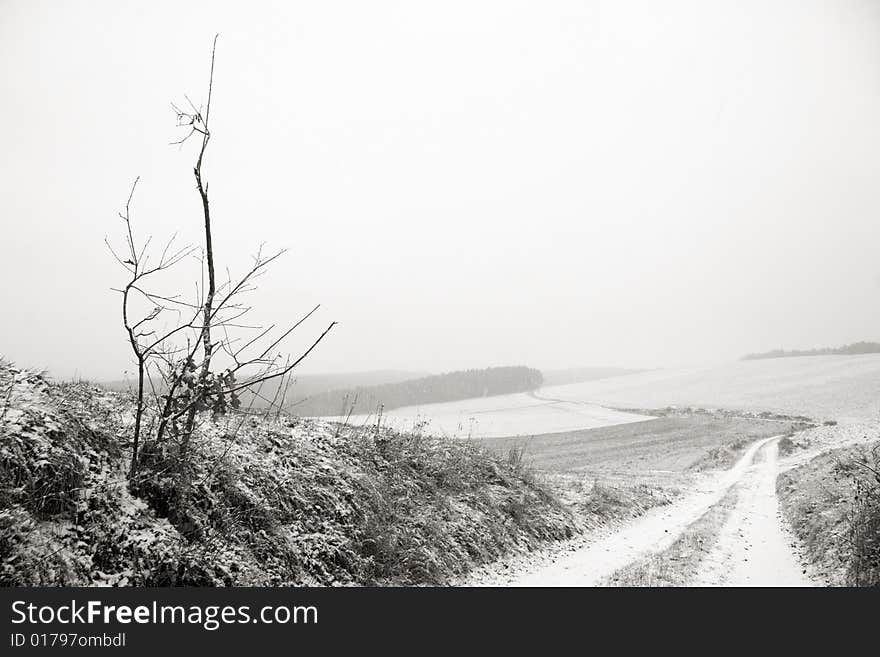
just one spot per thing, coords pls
(263, 503)
(864, 525)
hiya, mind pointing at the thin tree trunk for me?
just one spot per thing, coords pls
(205, 338)
(137, 421)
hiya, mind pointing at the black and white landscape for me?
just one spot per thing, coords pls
(456, 294)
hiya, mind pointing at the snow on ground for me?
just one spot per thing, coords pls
(844, 388)
(518, 414)
(652, 532)
(754, 548)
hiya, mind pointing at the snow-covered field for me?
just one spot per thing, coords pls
(518, 414)
(842, 388)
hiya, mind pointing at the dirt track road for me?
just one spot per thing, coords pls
(753, 547)
(653, 532)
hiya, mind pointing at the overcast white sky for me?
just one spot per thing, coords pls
(460, 184)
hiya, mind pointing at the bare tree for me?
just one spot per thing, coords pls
(199, 124)
(142, 334)
(176, 361)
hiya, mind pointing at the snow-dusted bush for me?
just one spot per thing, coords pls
(283, 502)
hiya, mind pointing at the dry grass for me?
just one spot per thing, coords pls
(601, 500)
(287, 503)
(833, 504)
(787, 446)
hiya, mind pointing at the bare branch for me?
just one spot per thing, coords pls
(291, 366)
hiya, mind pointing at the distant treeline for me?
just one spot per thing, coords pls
(846, 350)
(452, 386)
(303, 386)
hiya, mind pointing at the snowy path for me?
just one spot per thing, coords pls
(753, 547)
(653, 532)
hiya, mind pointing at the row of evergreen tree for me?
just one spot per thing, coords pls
(846, 350)
(451, 386)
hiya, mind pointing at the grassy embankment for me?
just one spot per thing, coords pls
(260, 503)
(833, 505)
